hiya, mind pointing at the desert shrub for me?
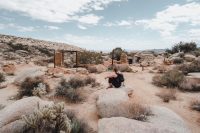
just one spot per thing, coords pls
(2, 106)
(49, 119)
(171, 78)
(138, 111)
(195, 105)
(88, 57)
(160, 69)
(178, 61)
(183, 47)
(188, 68)
(18, 46)
(65, 89)
(2, 78)
(33, 86)
(78, 126)
(167, 95)
(45, 51)
(189, 85)
(71, 89)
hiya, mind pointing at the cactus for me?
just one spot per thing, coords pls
(50, 119)
(39, 90)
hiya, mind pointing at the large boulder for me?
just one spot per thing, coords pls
(82, 70)
(21, 107)
(180, 54)
(123, 67)
(189, 57)
(110, 103)
(17, 126)
(163, 121)
(96, 68)
(30, 72)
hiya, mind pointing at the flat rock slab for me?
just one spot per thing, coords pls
(109, 103)
(194, 75)
(163, 121)
(21, 107)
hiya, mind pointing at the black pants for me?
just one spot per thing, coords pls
(114, 82)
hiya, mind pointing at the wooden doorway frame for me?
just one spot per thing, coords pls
(66, 51)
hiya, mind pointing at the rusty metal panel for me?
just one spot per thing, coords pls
(58, 58)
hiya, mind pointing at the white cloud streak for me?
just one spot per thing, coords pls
(121, 23)
(167, 21)
(50, 27)
(58, 11)
(18, 27)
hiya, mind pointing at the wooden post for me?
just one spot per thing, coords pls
(76, 59)
(112, 58)
(54, 58)
(62, 58)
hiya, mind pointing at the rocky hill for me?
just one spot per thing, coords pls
(21, 50)
(37, 43)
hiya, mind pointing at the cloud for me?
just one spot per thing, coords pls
(49, 27)
(122, 23)
(195, 34)
(104, 43)
(18, 27)
(167, 21)
(82, 27)
(89, 19)
(58, 11)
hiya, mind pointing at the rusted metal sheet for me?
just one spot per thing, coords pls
(58, 58)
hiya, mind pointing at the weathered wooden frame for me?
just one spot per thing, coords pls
(66, 51)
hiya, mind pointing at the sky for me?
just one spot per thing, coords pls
(104, 24)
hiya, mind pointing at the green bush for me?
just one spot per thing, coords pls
(33, 86)
(18, 46)
(183, 47)
(117, 53)
(71, 89)
(88, 57)
(171, 78)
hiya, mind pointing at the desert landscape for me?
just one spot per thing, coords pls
(49, 87)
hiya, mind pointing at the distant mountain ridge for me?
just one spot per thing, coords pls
(37, 42)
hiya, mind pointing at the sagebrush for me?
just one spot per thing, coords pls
(171, 78)
(33, 86)
(71, 89)
(138, 111)
(190, 85)
(195, 105)
(167, 95)
(88, 57)
(189, 68)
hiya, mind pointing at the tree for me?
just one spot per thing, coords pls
(183, 47)
(117, 53)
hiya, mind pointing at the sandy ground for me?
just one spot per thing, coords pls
(143, 89)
